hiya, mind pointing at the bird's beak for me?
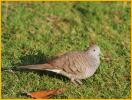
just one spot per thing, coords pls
(101, 54)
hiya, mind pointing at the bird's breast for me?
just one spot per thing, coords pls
(91, 69)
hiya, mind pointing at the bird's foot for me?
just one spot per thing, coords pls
(76, 82)
(79, 81)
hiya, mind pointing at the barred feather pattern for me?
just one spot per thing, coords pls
(77, 64)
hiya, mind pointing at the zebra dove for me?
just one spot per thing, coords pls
(74, 65)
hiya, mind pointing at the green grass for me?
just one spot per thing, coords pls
(37, 32)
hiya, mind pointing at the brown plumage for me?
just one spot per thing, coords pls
(74, 65)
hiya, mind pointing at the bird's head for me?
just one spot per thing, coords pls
(94, 50)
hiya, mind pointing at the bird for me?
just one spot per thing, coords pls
(75, 65)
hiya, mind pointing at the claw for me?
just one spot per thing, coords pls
(79, 81)
(76, 82)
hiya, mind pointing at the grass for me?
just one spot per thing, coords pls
(37, 32)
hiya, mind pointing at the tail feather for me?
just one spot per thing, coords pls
(37, 67)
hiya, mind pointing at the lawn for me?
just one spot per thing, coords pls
(35, 32)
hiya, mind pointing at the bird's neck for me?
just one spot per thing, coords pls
(94, 58)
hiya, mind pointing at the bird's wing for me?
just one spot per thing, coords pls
(72, 63)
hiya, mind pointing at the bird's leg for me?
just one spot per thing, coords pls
(68, 76)
(79, 81)
(76, 82)
(73, 81)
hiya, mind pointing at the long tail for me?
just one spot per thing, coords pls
(41, 67)
(37, 67)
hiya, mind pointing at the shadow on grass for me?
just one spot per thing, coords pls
(32, 58)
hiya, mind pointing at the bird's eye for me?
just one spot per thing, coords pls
(94, 50)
